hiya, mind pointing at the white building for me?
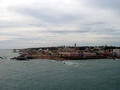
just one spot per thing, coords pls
(116, 52)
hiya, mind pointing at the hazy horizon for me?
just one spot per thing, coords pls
(37, 23)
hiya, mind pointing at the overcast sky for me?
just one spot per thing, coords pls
(36, 23)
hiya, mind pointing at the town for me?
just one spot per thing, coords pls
(69, 53)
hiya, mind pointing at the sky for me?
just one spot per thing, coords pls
(39, 23)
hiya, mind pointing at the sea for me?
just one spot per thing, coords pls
(43, 74)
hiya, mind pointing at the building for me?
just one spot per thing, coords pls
(89, 54)
(69, 54)
(116, 52)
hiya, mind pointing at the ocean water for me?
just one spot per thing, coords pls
(103, 74)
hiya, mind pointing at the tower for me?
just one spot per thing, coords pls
(75, 45)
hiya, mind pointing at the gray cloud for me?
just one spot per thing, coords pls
(105, 4)
(48, 15)
(32, 22)
(66, 31)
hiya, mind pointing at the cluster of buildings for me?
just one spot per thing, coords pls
(72, 52)
(87, 53)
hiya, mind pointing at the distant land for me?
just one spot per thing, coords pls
(69, 53)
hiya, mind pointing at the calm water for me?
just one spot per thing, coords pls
(58, 75)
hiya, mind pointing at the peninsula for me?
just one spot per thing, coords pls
(69, 53)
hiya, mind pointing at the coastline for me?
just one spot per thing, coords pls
(67, 53)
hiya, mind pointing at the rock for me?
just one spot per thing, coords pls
(19, 58)
(1, 57)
